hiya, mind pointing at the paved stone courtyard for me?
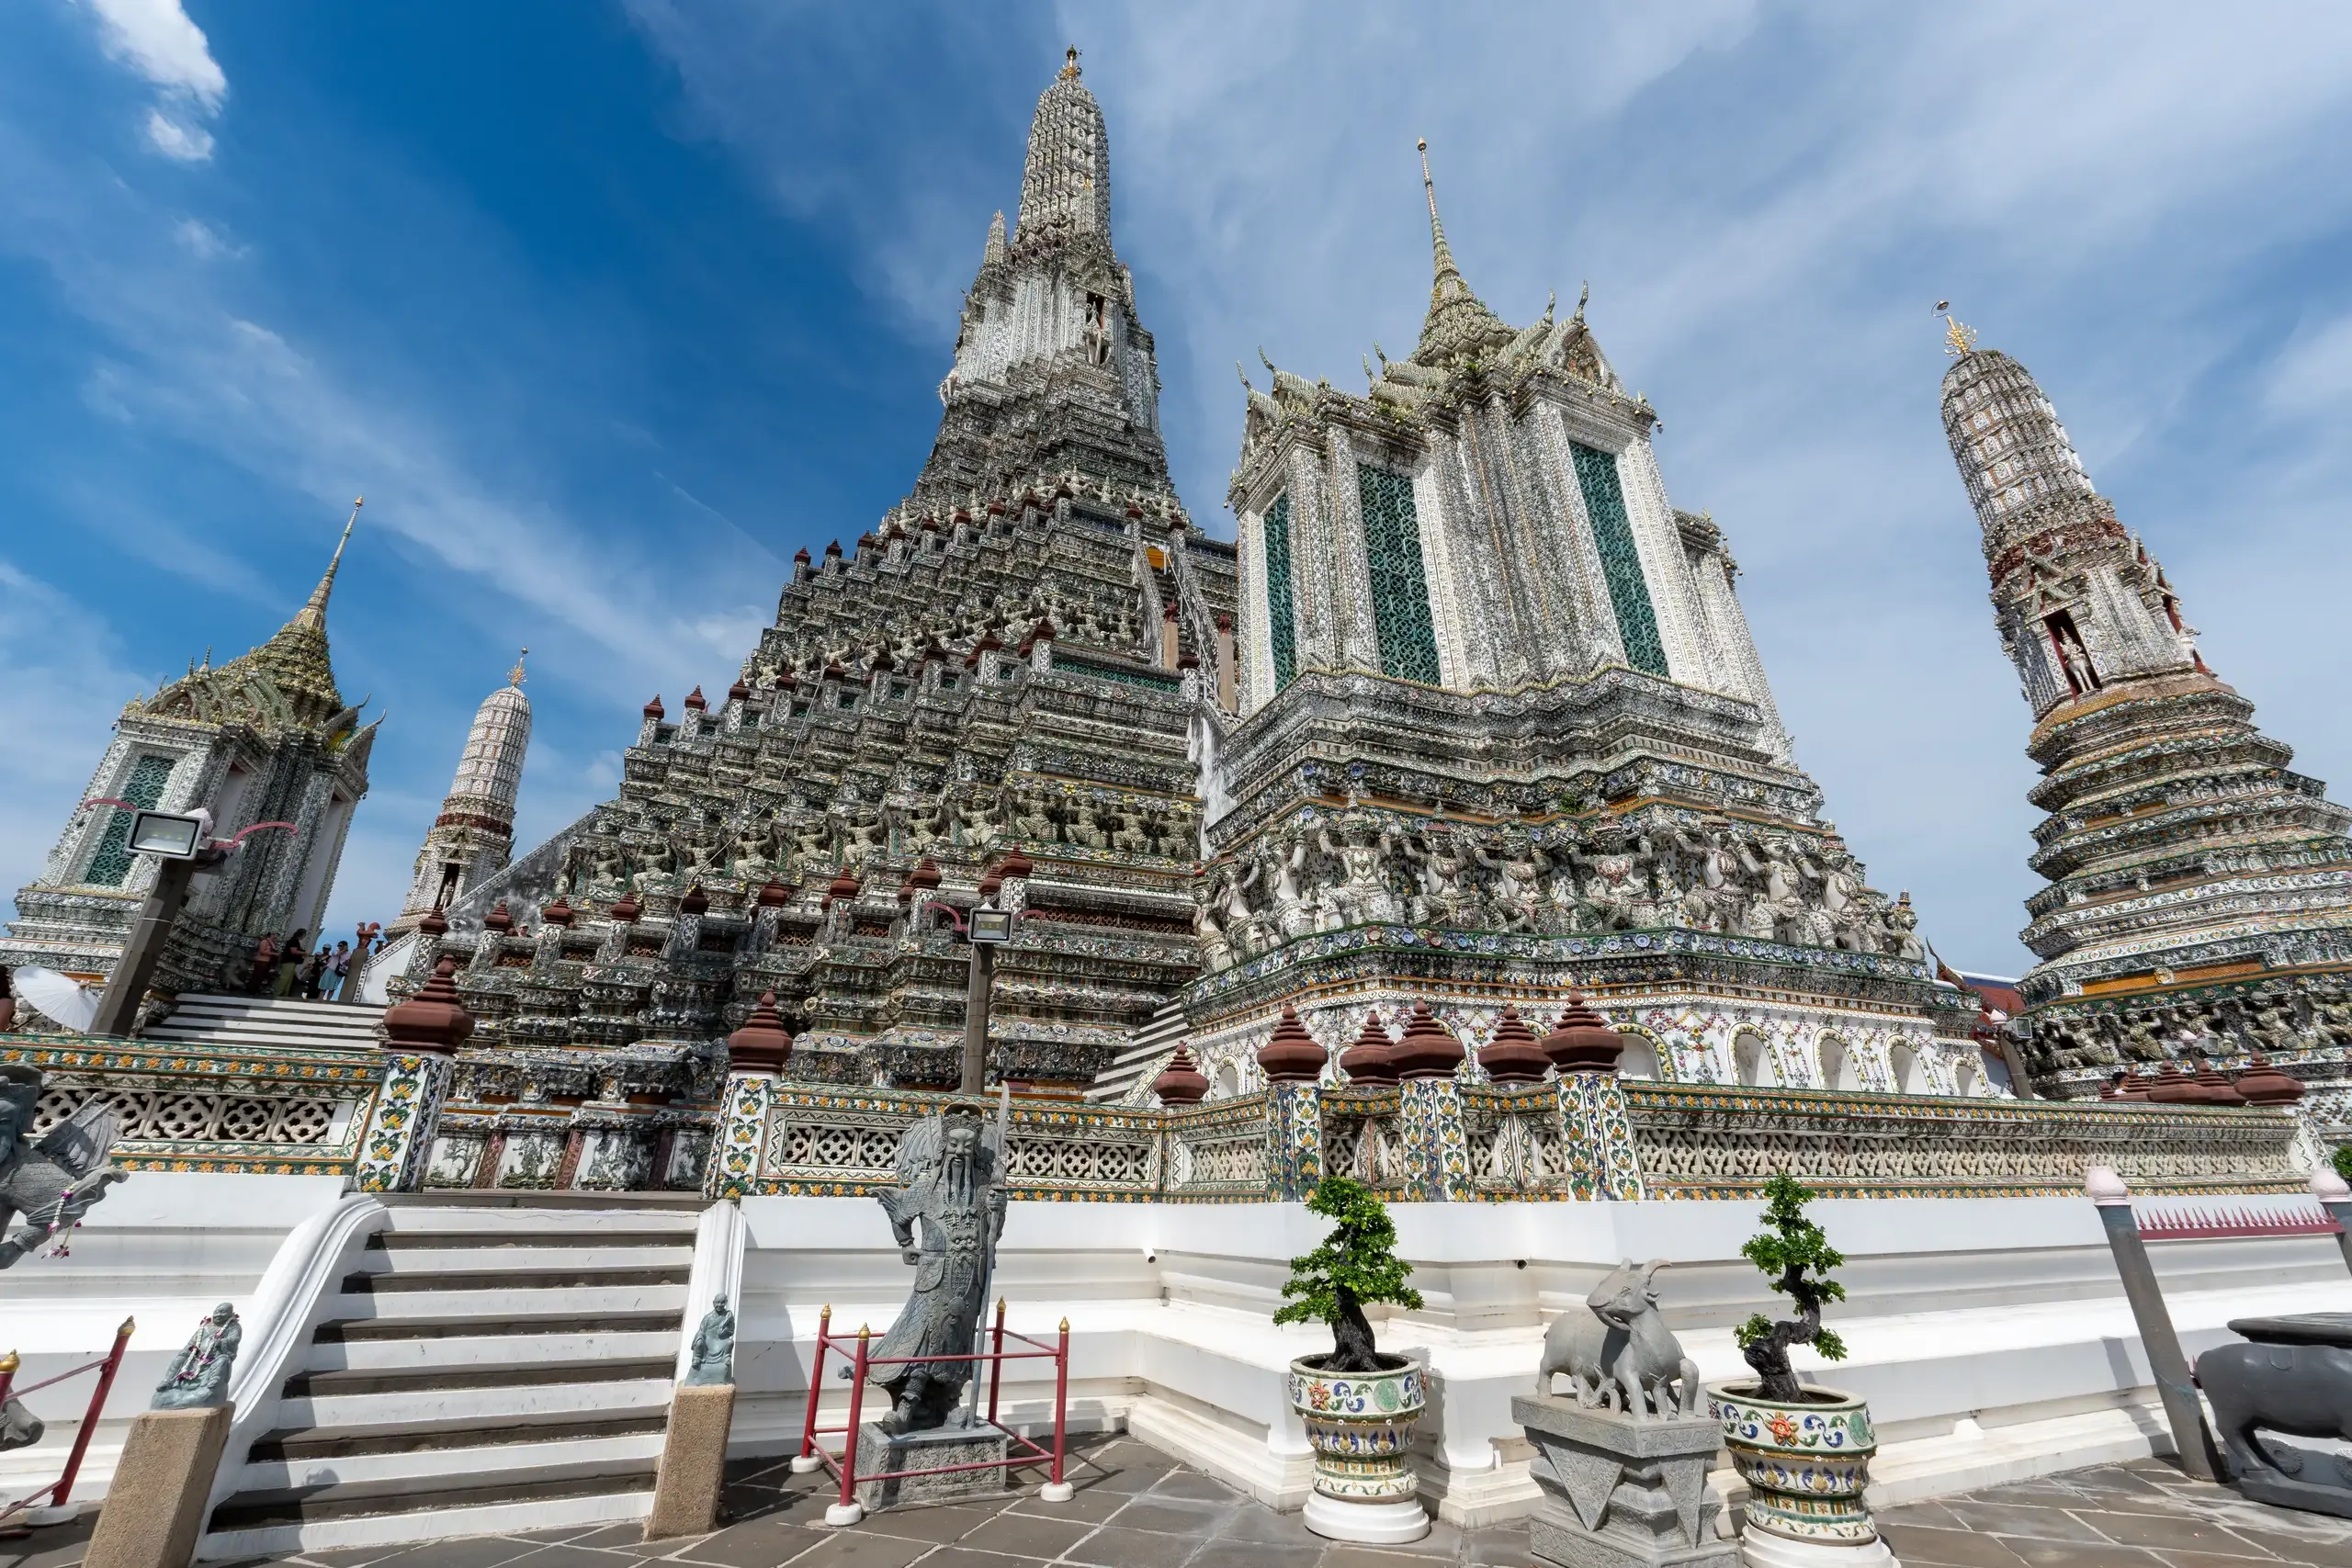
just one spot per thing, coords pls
(1137, 1508)
(2141, 1515)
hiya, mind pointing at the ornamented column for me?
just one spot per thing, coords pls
(1293, 1063)
(1595, 1130)
(421, 1035)
(755, 1056)
(1437, 1155)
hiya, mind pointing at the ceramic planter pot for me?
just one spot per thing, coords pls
(1361, 1426)
(1806, 1465)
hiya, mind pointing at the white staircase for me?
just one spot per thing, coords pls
(486, 1364)
(1143, 1058)
(233, 1023)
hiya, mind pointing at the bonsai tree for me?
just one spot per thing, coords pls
(1797, 1257)
(1356, 1265)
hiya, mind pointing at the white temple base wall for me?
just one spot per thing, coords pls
(1991, 1336)
(162, 1248)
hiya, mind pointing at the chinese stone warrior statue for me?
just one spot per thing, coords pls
(54, 1182)
(947, 1214)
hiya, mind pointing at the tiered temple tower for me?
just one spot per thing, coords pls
(2200, 893)
(1505, 730)
(473, 837)
(264, 737)
(1006, 687)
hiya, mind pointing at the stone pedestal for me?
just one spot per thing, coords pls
(1620, 1493)
(155, 1507)
(694, 1461)
(877, 1450)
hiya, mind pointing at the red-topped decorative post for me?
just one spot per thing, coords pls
(1181, 1083)
(1429, 1110)
(1293, 1062)
(756, 1056)
(421, 1037)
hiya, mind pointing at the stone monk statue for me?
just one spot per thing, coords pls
(950, 1193)
(200, 1375)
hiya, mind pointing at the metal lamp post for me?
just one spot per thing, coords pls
(988, 928)
(183, 846)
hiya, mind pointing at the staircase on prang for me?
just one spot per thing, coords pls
(485, 1363)
(233, 1023)
(1141, 1059)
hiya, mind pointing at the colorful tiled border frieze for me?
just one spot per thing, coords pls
(1711, 1140)
(261, 1111)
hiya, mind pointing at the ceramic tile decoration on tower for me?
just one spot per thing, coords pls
(1442, 833)
(473, 836)
(2200, 893)
(1008, 685)
(264, 737)
(1504, 730)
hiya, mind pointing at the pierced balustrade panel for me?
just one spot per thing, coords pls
(1363, 1138)
(1714, 1141)
(295, 1111)
(1217, 1152)
(1515, 1142)
(845, 1142)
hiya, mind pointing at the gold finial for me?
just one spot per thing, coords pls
(1070, 64)
(515, 676)
(1959, 341)
(128, 1325)
(8, 1364)
(1065, 1326)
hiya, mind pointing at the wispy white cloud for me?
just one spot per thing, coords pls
(1766, 199)
(2313, 375)
(157, 39)
(181, 143)
(66, 682)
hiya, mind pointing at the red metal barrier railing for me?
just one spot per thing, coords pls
(989, 1362)
(60, 1491)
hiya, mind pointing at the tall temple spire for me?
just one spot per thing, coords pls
(2177, 843)
(314, 614)
(1054, 370)
(515, 676)
(1458, 322)
(1066, 182)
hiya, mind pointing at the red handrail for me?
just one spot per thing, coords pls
(844, 1467)
(61, 1491)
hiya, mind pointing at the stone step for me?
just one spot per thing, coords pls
(582, 1272)
(508, 1325)
(403, 1496)
(557, 1458)
(421, 1237)
(437, 1523)
(520, 1258)
(479, 1301)
(412, 1410)
(423, 1444)
(457, 1353)
(477, 1374)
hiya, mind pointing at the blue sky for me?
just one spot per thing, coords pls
(607, 308)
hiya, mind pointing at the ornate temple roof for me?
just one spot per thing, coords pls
(1458, 324)
(285, 683)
